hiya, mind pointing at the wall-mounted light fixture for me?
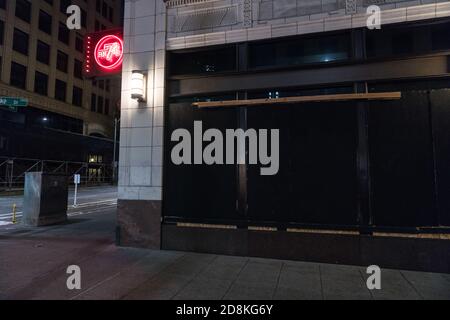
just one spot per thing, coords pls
(139, 85)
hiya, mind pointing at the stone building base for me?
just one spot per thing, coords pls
(139, 224)
(430, 255)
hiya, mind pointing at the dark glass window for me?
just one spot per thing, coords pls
(2, 32)
(440, 36)
(45, 22)
(41, 83)
(18, 75)
(208, 61)
(63, 5)
(93, 102)
(302, 51)
(83, 18)
(20, 43)
(389, 42)
(410, 40)
(40, 118)
(23, 10)
(402, 43)
(3, 143)
(105, 10)
(100, 103)
(78, 69)
(79, 43)
(111, 14)
(43, 52)
(107, 106)
(60, 90)
(62, 62)
(77, 97)
(64, 33)
(2, 4)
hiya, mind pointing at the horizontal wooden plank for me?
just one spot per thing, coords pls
(304, 99)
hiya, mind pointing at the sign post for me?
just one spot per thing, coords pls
(76, 181)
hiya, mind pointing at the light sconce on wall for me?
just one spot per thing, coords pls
(138, 86)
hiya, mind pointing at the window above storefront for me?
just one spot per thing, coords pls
(216, 60)
(408, 40)
(301, 51)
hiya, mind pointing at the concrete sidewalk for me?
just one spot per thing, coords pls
(33, 265)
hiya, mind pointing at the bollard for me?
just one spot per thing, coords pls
(14, 220)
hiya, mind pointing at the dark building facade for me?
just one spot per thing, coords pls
(69, 118)
(363, 178)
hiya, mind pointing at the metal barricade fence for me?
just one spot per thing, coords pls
(13, 170)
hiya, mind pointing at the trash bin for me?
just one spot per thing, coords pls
(45, 199)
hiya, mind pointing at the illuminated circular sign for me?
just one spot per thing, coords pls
(109, 52)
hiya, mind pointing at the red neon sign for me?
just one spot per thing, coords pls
(109, 52)
(103, 53)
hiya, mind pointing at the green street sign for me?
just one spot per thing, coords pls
(13, 103)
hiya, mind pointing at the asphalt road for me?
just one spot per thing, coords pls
(86, 197)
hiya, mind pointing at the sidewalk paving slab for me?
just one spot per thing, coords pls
(33, 265)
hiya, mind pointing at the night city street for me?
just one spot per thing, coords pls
(87, 197)
(126, 273)
(223, 158)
